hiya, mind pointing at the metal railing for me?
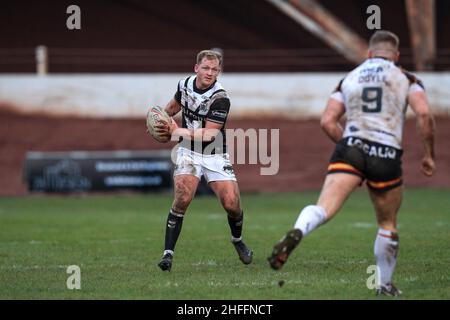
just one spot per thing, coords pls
(42, 60)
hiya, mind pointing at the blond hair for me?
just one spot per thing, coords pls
(382, 37)
(210, 55)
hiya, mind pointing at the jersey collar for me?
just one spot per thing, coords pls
(379, 57)
(202, 91)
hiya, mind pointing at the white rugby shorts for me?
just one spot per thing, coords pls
(215, 167)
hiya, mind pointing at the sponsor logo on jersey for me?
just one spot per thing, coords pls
(219, 113)
(371, 70)
(203, 106)
(192, 116)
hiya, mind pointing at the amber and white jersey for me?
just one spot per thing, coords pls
(375, 95)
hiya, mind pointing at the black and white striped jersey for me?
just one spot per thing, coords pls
(198, 106)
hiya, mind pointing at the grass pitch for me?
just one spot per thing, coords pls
(118, 240)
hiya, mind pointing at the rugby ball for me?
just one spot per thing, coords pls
(156, 115)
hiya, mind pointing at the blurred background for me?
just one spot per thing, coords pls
(76, 83)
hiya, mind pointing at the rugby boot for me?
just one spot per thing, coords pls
(388, 290)
(166, 262)
(283, 248)
(245, 254)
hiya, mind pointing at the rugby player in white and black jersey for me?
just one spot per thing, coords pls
(202, 150)
(374, 97)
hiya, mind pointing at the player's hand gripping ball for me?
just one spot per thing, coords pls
(155, 116)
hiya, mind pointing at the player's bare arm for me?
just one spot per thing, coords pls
(208, 133)
(173, 107)
(426, 128)
(330, 119)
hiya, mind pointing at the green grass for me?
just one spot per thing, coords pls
(118, 240)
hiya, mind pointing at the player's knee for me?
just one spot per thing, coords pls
(181, 203)
(177, 207)
(183, 195)
(232, 207)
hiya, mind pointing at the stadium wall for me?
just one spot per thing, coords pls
(301, 95)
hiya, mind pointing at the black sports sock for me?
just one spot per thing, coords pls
(173, 229)
(236, 225)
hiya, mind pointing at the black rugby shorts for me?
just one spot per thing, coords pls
(380, 164)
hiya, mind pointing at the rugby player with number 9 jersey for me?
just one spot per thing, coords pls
(374, 97)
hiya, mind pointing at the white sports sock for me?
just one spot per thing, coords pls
(234, 240)
(168, 251)
(310, 218)
(386, 248)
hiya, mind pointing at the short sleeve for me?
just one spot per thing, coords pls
(416, 86)
(337, 96)
(177, 95)
(218, 111)
(337, 93)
